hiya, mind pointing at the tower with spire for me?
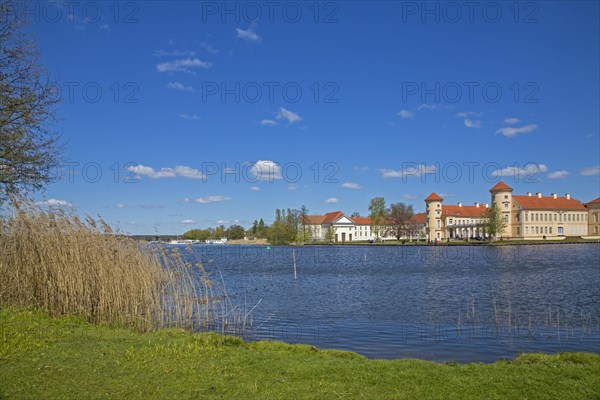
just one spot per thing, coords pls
(502, 197)
(434, 217)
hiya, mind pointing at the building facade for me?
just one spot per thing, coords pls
(339, 228)
(526, 216)
(593, 217)
(453, 221)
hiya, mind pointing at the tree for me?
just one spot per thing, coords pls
(235, 232)
(329, 234)
(29, 148)
(398, 217)
(377, 215)
(495, 223)
(355, 214)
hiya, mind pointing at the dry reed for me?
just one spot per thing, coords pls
(54, 261)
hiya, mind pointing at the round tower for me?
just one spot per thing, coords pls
(502, 197)
(434, 217)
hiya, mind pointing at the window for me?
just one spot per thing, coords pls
(595, 230)
(550, 230)
(518, 218)
(526, 217)
(536, 217)
(569, 217)
(506, 217)
(596, 216)
(545, 217)
(537, 230)
(505, 205)
(505, 197)
(554, 217)
(518, 231)
(526, 230)
(545, 229)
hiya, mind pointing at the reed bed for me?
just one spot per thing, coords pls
(56, 262)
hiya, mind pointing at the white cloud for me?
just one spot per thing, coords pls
(446, 195)
(142, 170)
(590, 171)
(512, 121)
(427, 106)
(418, 170)
(248, 35)
(188, 172)
(351, 185)
(361, 169)
(290, 116)
(174, 53)
(222, 222)
(466, 114)
(255, 188)
(180, 170)
(510, 132)
(528, 171)
(186, 200)
(54, 203)
(180, 86)
(405, 114)
(293, 186)
(266, 170)
(120, 205)
(212, 199)
(268, 122)
(105, 27)
(331, 200)
(558, 174)
(410, 196)
(187, 222)
(182, 65)
(192, 117)
(469, 123)
(208, 48)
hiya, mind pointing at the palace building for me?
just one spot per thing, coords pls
(341, 228)
(527, 216)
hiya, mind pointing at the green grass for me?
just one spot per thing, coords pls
(44, 357)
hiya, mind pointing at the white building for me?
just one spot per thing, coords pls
(342, 228)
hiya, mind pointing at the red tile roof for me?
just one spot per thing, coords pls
(597, 201)
(419, 218)
(433, 197)
(549, 203)
(463, 211)
(361, 220)
(332, 216)
(500, 186)
(322, 219)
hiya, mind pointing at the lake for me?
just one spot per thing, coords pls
(443, 303)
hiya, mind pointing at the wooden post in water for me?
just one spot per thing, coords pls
(294, 254)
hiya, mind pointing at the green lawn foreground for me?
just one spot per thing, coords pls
(43, 357)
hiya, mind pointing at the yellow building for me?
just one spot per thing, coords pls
(593, 217)
(537, 216)
(453, 221)
(527, 216)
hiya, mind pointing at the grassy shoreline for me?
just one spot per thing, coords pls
(45, 357)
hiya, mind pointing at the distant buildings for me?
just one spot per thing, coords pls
(528, 217)
(340, 228)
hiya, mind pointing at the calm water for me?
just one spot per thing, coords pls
(460, 304)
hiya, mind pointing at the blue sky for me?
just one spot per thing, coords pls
(179, 115)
